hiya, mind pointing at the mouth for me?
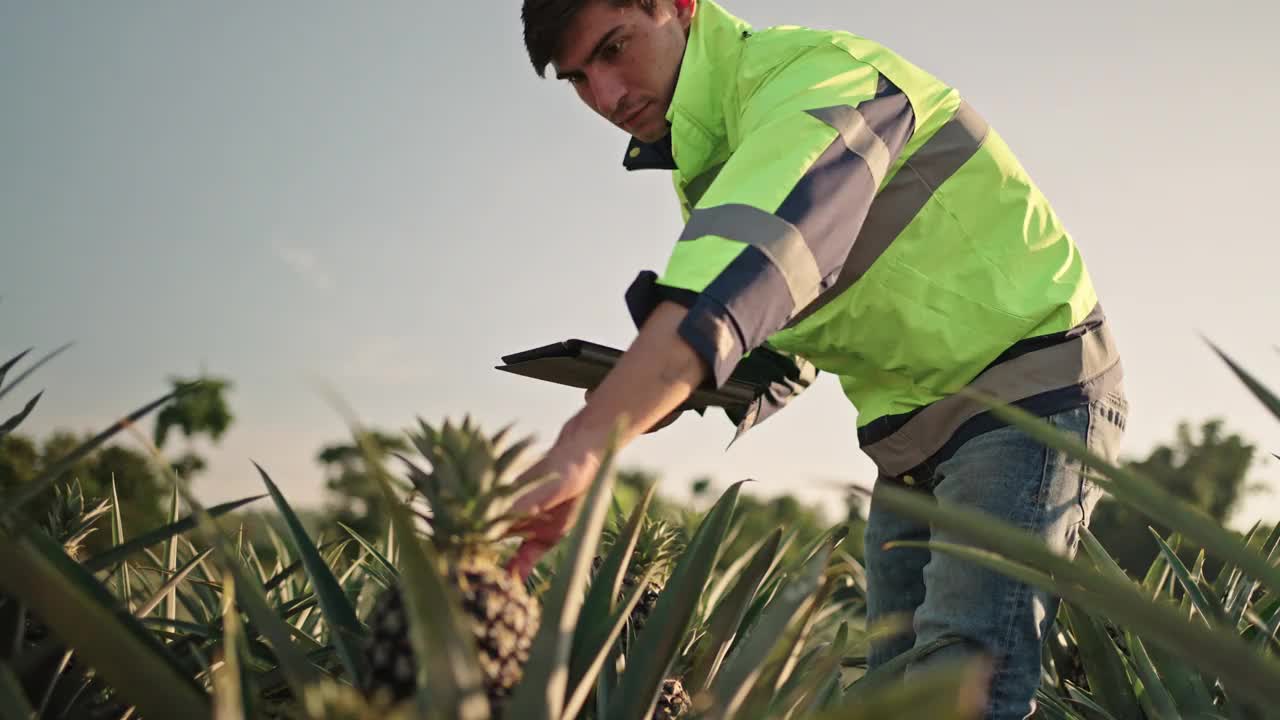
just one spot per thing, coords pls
(630, 119)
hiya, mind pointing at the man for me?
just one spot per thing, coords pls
(847, 211)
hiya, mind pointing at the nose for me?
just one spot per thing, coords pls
(609, 91)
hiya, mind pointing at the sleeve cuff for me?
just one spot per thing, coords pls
(645, 293)
(714, 336)
(709, 328)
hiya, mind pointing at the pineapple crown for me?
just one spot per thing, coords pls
(657, 544)
(471, 485)
(70, 520)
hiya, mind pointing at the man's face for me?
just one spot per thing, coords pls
(624, 62)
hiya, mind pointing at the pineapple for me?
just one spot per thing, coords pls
(673, 701)
(469, 490)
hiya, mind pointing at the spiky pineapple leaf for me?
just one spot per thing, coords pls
(655, 647)
(171, 559)
(603, 593)
(543, 688)
(383, 563)
(1155, 694)
(744, 666)
(347, 630)
(1209, 607)
(952, 690)
(114, 555)
(4, 369)
(293, 662)
(232, 690)
(12, 423)
(1142, 494)
(13, 702)
(170, 586)
(6, 389)
(1260, 391)
(78, 608)
(30, 490)
(1103, 663)
(726, 619)
(1222, 654)
(582, 680)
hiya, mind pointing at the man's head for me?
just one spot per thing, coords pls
(622, 57)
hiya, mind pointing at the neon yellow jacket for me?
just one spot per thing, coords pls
(852, 212)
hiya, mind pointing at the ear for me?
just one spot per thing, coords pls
(685, 10)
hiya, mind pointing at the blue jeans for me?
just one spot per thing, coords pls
(1013, 477)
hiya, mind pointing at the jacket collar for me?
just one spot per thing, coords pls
(710, 61)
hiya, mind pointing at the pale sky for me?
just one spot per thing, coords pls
(384, 197)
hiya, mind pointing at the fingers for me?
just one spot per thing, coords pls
(526, 557)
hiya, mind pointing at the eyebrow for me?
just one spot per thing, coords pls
(563, 75)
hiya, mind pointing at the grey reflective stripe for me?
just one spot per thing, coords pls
(694, 191)
(905, 196)
(1091, 358)
(778, 239)
(858, 137)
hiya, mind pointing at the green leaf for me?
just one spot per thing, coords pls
(13, 702)
(1155, 694)
(1209, 608)
(12, 423)
(892, 671)
(1144, 495)
(542, 690)
(8, 365)
(726, 618)
(598, 608)
(655, 647)
(951, 690)
(1103, 664)
(347, 630)
(123, 591)
(1265, 396)
(1224, 654)
(170, 586)
(114, 555)
(80, 610)
(744, 667)
(232, 694)
(171, 560)
(383, 562)
(294, 664)
(26, 373)
(580, 685)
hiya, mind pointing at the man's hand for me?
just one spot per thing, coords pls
(553, 507)
(642, 392)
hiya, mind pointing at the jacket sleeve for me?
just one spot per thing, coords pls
(773, 229)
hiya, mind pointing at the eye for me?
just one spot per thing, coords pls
(614, 49)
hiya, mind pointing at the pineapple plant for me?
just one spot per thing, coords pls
(657, 546)
(468, 490)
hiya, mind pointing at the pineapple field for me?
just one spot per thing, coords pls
(638, 614)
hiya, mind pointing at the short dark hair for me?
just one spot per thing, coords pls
(545, 22)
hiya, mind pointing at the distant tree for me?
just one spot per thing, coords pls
(1209, 472)
(139, 489)
(201, 410)
(354, 495)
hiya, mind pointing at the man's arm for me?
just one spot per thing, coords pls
(651, 379)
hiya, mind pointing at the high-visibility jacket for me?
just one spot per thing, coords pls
(850, 211)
